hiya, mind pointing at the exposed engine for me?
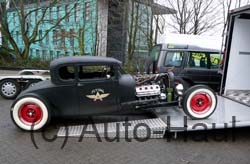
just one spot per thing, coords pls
(148, 91)
(154, 86)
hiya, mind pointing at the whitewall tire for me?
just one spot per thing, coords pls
(30, 113)
(199, 102)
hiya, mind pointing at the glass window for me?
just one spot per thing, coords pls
(58, 12)
(58, 54)
(37, 53)
(72, 41)
(154, 53)
(51, 54)
(77, 9)
(67, 72)
(50, 13)
(87, 11)
(17, 36)
(54, 37)
(14, 19)
(174, 59)
(40, 36)
(198, 60)
(96, 72)
(215, 60)
(67, 13)
(47, 38)
(44, 55)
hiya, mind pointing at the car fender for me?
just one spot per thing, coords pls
(44, 100)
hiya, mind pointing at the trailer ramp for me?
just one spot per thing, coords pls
(229, 114)
(241, 96)
(145, 128)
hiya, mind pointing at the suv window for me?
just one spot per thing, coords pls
(96, 72)
(154, 53)
(215, 60)
(67, 72)
(198, 60)
(174, 59)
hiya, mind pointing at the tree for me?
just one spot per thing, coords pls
(194, 16)
(29, 31)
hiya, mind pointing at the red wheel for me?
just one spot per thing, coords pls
(199, 102)
(30, 113)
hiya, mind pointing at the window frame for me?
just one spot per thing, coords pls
(207, 56)
(74, 80)
(210, 60)
(96, 79)
(174, 51)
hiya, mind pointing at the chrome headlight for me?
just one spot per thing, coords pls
(179, 89)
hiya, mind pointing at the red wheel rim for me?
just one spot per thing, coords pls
(30, 114)
(201, 103)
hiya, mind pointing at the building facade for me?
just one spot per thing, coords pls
(75, 35)
(89, 27)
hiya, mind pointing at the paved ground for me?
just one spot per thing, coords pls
(17, 147)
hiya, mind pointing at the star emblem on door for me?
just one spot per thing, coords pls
(98, 96)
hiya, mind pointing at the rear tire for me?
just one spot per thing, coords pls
(30, 114)
(9, 89)
(199, 102)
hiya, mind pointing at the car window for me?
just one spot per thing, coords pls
(96, 72)
(174, 59)
(154, 53)
(215, 60)
(67, 72)
(198, 60)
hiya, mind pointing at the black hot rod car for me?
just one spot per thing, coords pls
(87, 86)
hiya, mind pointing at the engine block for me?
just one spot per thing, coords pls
(148, 91)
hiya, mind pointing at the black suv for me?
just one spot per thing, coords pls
(191, 64)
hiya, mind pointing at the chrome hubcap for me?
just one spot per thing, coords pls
(9, 89)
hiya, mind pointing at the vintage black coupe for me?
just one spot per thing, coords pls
(87, 86)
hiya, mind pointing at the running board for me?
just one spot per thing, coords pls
(146, 128)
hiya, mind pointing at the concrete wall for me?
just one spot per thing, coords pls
(238, 74)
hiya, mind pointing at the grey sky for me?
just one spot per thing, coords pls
(217, 31)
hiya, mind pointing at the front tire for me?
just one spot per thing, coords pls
(9, 89)
(199, 102)
(30, 114)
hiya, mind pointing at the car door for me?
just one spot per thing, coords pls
(63, 94)
(97, 90)
(196, 68)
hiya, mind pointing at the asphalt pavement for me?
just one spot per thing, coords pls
(21, 147)
(17, 146)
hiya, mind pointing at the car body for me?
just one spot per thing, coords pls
(191, 65)
(89, 85)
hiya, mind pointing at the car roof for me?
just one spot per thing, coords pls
(166, 47)
(72, 60)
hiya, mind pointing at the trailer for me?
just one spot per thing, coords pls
(233, 108)
(12, 85)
